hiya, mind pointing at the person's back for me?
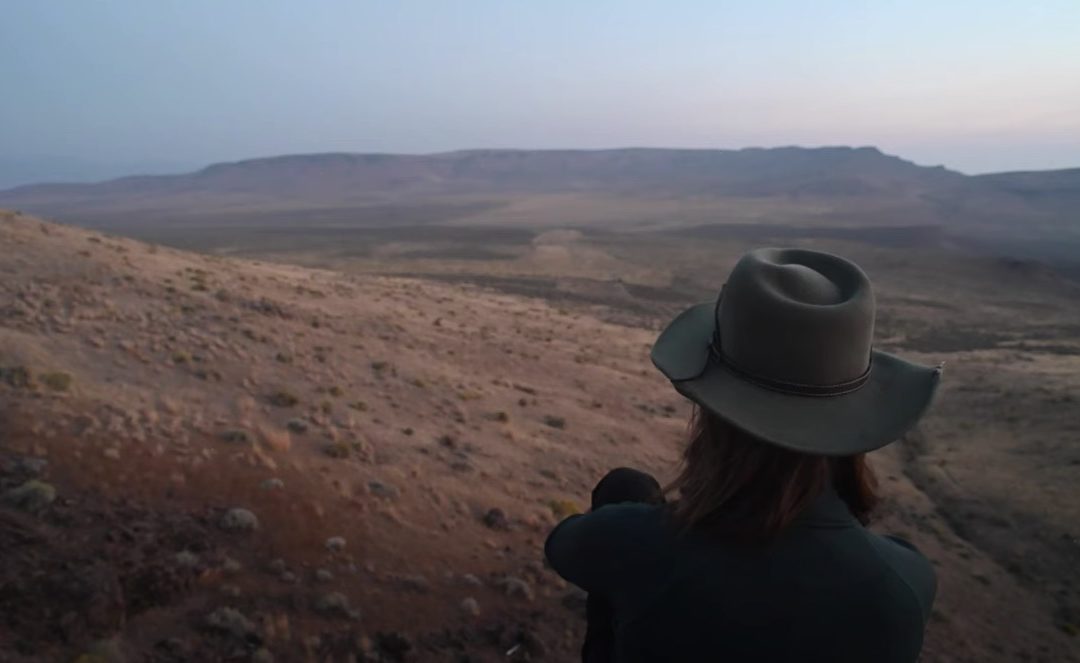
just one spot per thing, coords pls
(763, 555)
(825, 590)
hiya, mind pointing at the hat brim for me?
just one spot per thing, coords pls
(892, 400)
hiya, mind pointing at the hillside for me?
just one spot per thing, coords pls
(403, 444)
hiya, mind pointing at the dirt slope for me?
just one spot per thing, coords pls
(403, 446)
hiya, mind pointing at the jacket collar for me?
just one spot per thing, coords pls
(827, 510)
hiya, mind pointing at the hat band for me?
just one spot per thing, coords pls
(716, 352)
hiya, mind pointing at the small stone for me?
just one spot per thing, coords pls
(297, 425)
(517, 588)
(272, 484)
(32, 496)
(112, 453)
(262, 656)
(288, 577)
(471, 580)
(322, 575)
(187, 559)
(239, 520)
(230, 621)
(333, 604)
(470, 606)
(383, 490)
(335, 544)
(278, 566)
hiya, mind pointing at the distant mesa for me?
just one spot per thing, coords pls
(814, 186)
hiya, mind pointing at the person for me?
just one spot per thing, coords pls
(763, 554)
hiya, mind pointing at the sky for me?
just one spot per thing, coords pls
(96, 89)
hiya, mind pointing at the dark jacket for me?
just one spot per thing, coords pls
(826, 590)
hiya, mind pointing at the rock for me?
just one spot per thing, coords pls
(470, 606)
(31, 496)
(471, 580)
(239, 520)
(272, 484)
(29, 465)
(335, 544)
(322, 575)
(383, 490)
(288, 577)
(334, 604)
(262, 656)
(496, 519)
(278, 566)
(297, 425)
(187, 559)
(516, 588)
(112, 453)
(230, 621)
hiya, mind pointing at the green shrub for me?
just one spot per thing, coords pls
(56, 380)
(18, 377)
(337, 450)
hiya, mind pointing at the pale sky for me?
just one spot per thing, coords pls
(99, 88)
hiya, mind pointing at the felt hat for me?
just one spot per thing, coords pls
(786, 354)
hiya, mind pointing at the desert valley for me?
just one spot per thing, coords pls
(327, 407)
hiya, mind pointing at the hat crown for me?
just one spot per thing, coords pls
(797, 316)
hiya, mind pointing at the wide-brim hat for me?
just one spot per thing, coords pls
(785, 354)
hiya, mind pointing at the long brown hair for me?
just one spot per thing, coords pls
(734, 485)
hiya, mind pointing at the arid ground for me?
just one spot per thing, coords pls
(339, 443)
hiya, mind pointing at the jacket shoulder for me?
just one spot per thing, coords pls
(910, 567)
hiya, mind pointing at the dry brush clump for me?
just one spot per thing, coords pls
(554, 421)
(21, 377)
(283, 398)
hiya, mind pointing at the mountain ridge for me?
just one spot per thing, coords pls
(375, 157)
(623, 186)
